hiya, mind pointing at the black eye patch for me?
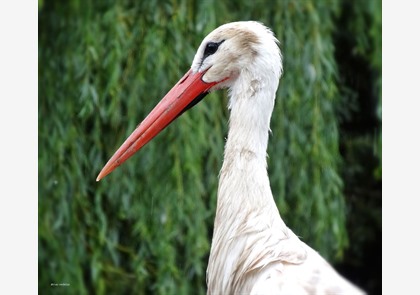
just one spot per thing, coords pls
(211, 48)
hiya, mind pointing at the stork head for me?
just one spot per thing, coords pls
(232, 56)
(236, 49)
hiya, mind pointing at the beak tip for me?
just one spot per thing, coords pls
(100, 176)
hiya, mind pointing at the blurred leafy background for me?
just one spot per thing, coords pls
(146, 228)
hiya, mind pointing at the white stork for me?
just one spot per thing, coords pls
(252, 251)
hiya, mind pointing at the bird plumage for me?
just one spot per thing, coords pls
(252, 250)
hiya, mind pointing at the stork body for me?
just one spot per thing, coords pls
(252, 251)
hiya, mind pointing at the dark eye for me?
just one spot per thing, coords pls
(211, 48)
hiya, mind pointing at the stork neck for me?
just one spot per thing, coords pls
(247, 136)
(245, 203)
(243, 178)
(249, 124)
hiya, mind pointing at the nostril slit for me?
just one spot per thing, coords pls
(184, 78)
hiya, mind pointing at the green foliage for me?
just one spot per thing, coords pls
(147, 227)
(359, 52)
(304, 148)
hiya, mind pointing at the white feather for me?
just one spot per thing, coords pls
(253, 251)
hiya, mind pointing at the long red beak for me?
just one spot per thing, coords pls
(185, 94)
